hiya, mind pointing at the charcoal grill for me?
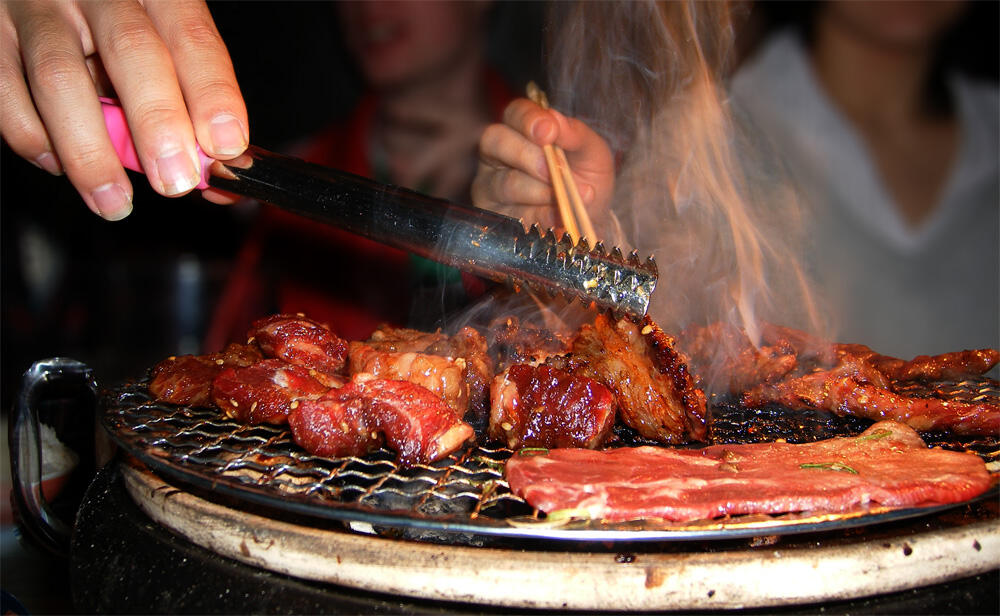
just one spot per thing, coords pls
(250, 493)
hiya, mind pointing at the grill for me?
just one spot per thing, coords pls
(464, 498)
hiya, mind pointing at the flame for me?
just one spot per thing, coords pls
(693, 187)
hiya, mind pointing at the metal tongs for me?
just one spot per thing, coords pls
(479, 241)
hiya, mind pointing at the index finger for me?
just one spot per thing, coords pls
(206, 76)
(140, 67)
(529, 119)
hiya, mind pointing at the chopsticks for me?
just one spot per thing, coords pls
(571, 210)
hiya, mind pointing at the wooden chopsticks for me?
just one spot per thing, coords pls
(571, 210)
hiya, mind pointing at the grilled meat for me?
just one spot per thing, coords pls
(187, 379)
(303, 342)
(467, 344)
(513, 342)
(441, 375)
(264, 392)
(539, 406)
(354, 419)
(856, 388)
(654, 391)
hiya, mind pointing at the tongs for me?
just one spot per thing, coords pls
(474, 240)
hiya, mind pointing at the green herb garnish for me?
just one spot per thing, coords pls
(830, 466)
(874, 436)
(533, 451)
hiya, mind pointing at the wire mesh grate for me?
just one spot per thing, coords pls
(465, 490)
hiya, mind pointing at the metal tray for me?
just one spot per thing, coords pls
(459, 496)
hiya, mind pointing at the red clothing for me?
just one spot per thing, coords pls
(292, 264)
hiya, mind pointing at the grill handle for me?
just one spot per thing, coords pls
(61, 392)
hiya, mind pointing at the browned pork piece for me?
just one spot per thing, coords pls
(540, 406)
(188, 379)
(722, 354)
(303, 342)
(441, 375)
(856, 388)
(466, 344)
(353, 420)
(513, 342)
(796, 369)
(653, 388)
(264, 392)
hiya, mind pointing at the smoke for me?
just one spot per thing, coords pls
(694, 188)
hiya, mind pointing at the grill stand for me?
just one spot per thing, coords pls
(679, 580)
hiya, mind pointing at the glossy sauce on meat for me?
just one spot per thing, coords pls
(540, 406)
(441, 375)
(353, 419)
(187, 380)
(264, 392)
(303, 342)
(466, 344)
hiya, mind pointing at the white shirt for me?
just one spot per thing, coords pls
(900, 289)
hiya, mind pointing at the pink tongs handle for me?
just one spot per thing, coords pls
(121, 139)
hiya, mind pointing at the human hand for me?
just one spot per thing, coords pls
(513, 178)
(168, 67)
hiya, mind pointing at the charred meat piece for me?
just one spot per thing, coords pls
(947, 366)
(855, 388)
(513, 342)
(887, 464)
(264, 392)
(403, 340)
(441, 375)
(303, 342)
(469, 345)
(539, 406)
(352, 420)
(188, 379)
(653, 388)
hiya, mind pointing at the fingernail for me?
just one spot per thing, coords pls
(541, 129)
(112, 201)
(228, 136)
(178, 172)
(50, 163)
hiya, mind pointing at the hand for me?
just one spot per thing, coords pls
(168, 67)
(513, 178)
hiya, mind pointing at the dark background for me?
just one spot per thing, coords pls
(121, 296)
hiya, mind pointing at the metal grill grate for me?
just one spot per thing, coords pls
(462, 493)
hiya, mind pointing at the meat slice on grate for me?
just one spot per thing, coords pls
(264, 392)
(353, 419)
(187, 379)
(303, 342)
(798, 370)
(654, 391)
(855, 388)
(888, 465)
(541, 406)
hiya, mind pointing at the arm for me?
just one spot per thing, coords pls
(166, 64)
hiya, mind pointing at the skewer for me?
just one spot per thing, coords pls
(568, 198)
